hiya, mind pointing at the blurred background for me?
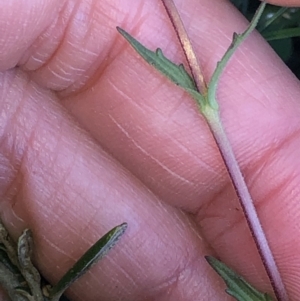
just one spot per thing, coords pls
(280, 26)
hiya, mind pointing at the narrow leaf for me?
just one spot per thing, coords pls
(91, 256)
(238, 287)
(263, 26)
(282, 34)
(236, 42)
(176, 73)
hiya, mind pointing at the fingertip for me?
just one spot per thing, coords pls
(21, 23)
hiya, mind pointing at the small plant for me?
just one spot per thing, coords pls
(21, 279)
(237, 286)
(204, 93)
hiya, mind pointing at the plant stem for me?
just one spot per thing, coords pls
(186, 45)
(211, 114)
(247, 204)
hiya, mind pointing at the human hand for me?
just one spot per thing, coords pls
(80, 97)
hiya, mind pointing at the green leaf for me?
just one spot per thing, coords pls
(270, 17)
(176, 73)
(236, 42)
(238, 287)
(282, 34)
(90, 257)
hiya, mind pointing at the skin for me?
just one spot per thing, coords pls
(91, 137)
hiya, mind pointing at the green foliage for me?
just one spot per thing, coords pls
(176, 73)
(237, 286)
(280, 26)
(88, 259)
(21, 279)
(179, 76)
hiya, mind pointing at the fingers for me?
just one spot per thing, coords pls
(57, 182)
(71, 45)
(155, 132)
(167, 145)
(22, 23)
